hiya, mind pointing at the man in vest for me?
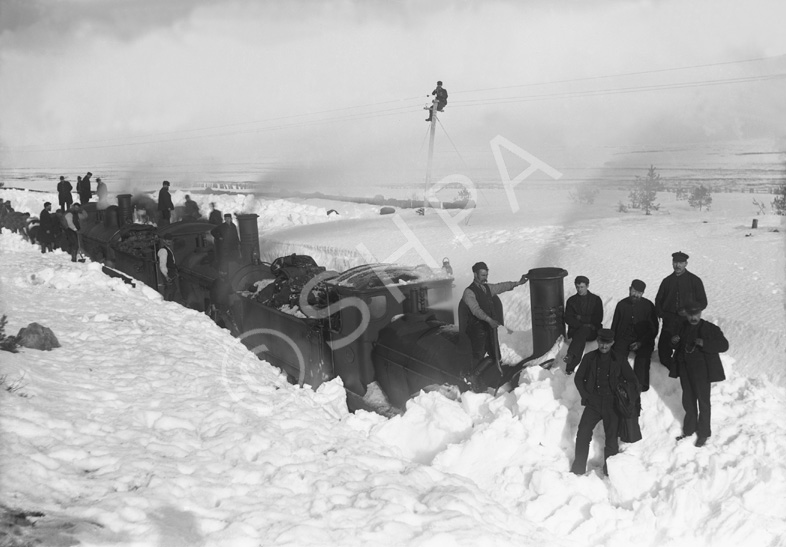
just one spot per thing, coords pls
(480, 313)
(168, 268)
(72, 230)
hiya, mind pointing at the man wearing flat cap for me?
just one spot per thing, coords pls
(583, 316)
(596, 379)
(480, 313)
(698, 365)
(635, 325)
(165, 205)
(675, 290)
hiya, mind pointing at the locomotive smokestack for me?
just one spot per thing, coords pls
(110, 217)
(125, 212)
(547, 298)
(249, 237)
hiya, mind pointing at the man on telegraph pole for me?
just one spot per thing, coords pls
(437, 105)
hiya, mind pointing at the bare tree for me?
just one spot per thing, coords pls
(779, 203)
(761, 207)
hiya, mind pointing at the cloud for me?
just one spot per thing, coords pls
(343, 83)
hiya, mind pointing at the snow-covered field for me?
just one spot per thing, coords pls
(152, 426)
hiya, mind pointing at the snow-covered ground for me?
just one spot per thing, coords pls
(152, 426)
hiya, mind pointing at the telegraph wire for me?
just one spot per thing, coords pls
(405, 108)
(617, 91)
(624, 74)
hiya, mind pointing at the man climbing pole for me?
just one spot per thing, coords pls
(440, 98)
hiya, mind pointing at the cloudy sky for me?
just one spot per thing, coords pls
(334, 82)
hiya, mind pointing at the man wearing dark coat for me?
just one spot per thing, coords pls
(165, 205)
(596, 379)
(635, 325)
(480, 314)
(192, 209)
(45, 228)
(227, 243)
(64, 194)
(83, 188)
(215, 215)
(675, 290)
(583, 316)
(441, 96)
(698, 365)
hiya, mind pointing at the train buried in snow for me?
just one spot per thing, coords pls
(388, 324)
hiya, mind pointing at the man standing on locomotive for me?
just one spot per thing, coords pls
(165, 205)
(480, 313)
(227, 243)
(168, 268)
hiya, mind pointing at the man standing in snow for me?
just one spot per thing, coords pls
(635, 326)
(83, 188)
(480, 314)
(102, 193)
(584, 316)
(45, 228)
(697, 364)
(64, 194)
(596, 379)
(165, 205)
(675, 290)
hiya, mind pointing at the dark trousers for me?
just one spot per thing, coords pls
(695, 393)
(73, 243)
(171, 287)
(440, 106)
(641, 360)
(482, 341)
(594, 412)
(65, 202)
(578, 340)
(671, 326)
(85, 196)
(163, 217)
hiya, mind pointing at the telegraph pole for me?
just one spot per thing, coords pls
(432, 130)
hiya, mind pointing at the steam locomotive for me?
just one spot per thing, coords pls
(388, 324)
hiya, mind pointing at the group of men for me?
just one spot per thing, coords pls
(191, 212)
(688, 346)
(83, 190)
